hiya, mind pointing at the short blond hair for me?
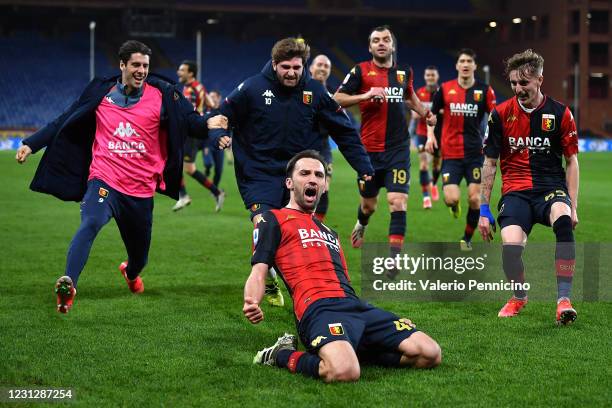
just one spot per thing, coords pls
(527, 63)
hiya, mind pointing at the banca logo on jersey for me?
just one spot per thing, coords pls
(534, 144)
(464, 109)
(317, 238)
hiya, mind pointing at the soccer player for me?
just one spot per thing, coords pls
(339, 330)
(528, 134)
(320, 69)
(212, 156)
(464, 101)
(195, 92)
(429, 183)
(382, 89)
(273, 115)
(111, 150)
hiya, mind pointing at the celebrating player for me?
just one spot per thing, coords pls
(320, 69)
(529, 133)
(195, 92)
(339, 330)
(381, 89)
(464, 101)
(273, 115)
(429, 183)
(111, 150)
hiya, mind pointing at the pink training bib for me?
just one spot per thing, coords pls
(129, 150)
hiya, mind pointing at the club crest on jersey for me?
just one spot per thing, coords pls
(477, 95)
(548, 122)
(255, 207)
(102, 192)
(401, 75)
(336, 329)
(307, 97)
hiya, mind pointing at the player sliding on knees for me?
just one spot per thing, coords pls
(535, 187)
(339, 330)
(111, 150)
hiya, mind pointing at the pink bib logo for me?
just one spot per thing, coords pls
(126, 148)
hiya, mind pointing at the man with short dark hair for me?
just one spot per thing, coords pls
(529, 133)
(112, 149)
(320, 69)
(195, 92)
(273, 115)
(429, 183)
(340, 331)
(383, 90)
(464, 101)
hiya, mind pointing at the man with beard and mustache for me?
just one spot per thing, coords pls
(339, 330)
(464, 102)
(383, 90)
(273, 116)
(112, 149)
(529, 133)
(320, 69)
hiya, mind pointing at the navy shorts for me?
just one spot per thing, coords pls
(366, 327)
(454, 170)
(264, 194)
(526, 208)
(192, 146)
(391, 171)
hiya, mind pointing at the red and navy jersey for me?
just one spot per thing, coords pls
(426, 98)
(461, 134)
(383, 125)
(195, 93)
(306, 254)
(531, 144)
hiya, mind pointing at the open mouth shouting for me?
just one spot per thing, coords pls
(310, 194)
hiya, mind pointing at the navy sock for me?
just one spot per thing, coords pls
(363, 218)
(565, 255)
(424, 179)
(182, 189)
(513, 266)
(299, 362)
(471, 222)
(201, 178)
(436, 175)
(397, 231)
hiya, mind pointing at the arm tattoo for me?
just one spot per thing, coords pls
(489, 168)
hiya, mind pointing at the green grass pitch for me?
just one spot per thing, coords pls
(184, 342)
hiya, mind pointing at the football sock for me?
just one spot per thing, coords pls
(299, 362)
(471, 219)
(182, 189)
(397, 231)
(565, 255)
(424, 178)
(436, 175)
(201, 178)
(363, 218)
(322, 206)
(513, 266)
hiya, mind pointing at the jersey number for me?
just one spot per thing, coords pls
(558, 193)
(476, 173)
(399, 176)
(399, 326)
(268, 101)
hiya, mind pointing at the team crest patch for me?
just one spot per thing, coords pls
(401, 75)
(102, 192)
(255, 207)
(176, 96)
(307, 97)
(477, 95)
(361, 185)
(445, 177)
(336, 329)
(548, 122)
